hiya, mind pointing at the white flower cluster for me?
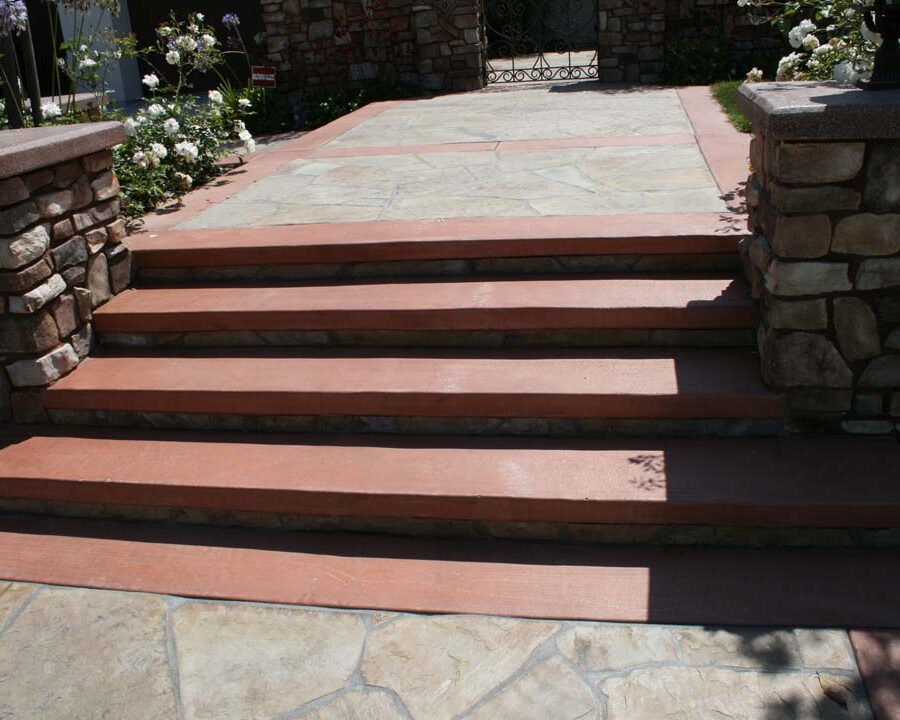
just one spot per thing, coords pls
(188, 45)
(50, 110)
(830, 43)
(846, 73)
(788, 66)
(244, 135)
(755, 75)
(801, 36)
(159, 151)
(152, 157)
(187, 150)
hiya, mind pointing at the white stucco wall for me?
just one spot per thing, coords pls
(124, 80)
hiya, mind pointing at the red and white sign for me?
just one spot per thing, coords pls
(262, 76)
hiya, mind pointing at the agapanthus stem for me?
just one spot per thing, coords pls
(9, 68)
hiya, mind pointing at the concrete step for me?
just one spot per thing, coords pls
(808, 587)
(496, 312)
(730, 491)
(695, 242)
(470, 392)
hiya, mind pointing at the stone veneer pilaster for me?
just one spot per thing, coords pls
(824, 259)
(61, 254)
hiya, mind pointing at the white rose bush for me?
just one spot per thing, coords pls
(175, 142)
(828, 38)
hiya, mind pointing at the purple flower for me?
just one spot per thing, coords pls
(13, 17)
(231, 20)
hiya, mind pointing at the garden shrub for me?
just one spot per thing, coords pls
(828, 38)
(323, 107)
(699, 60)
(271, 112)
(175, 143)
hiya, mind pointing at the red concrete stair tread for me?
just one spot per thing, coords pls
(613, 384)
(878, 656)
(469, 305)
(382, 241)
(791, 587)
(795, 482)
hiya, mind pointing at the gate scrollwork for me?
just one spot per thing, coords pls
(532, 40)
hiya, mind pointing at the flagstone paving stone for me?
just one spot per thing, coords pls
(247, 662)
(475, 655)
(688, 693)
(357, 705)
(549, 690)
(611, 647)
(12, 597)
(741, 648)
(77, 654)
(825, 649)
(83, 654)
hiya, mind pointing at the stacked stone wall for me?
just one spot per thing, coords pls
(634, 34)
(825, 262)
(61, 255)
(336, 43)
(440, 46)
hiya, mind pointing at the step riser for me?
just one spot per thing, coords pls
(726, 338)
(419, 404)
(579, 533)
(409, 425)
(543, 265)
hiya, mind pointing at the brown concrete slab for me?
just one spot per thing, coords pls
(831, 588)
(727, 151)
(613, 384)
(878, 656)
(448, 305)
(689, 233)
(795, 482)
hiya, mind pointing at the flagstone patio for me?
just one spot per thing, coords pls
(527, 112)
(75, 653)
(547, 150)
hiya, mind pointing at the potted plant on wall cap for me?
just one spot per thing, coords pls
(883, 20)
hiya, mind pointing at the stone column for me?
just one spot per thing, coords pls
(61, 254)
(824, 259)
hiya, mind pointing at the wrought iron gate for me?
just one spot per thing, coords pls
(532, 40)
